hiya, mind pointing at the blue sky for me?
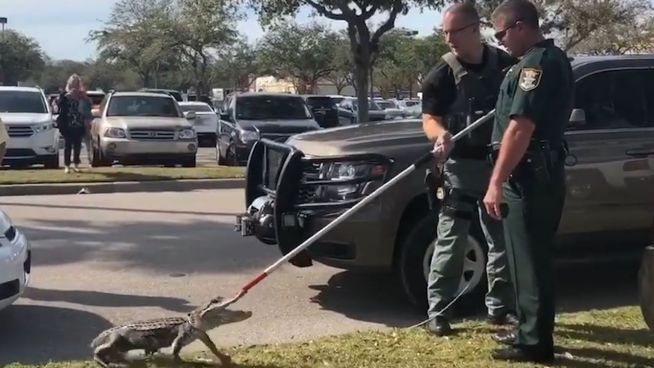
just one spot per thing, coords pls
(61, 26)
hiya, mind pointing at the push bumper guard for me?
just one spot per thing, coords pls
(274, 184)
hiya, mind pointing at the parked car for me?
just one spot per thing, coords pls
(391, 109)
(16, 261)
(324, 110)
(348, 111)
(248, 117)
(314, 177)
(28, 118)
(205, 122)
(177, 95)
(142, 128)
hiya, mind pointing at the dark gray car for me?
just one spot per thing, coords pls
(296, 188)
(247, 117)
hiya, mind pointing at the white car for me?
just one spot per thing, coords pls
(33, 139)
(205, 123)
(15, 261)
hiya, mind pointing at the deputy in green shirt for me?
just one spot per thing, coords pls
(532, 110)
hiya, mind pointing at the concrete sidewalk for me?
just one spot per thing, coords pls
(121, 187)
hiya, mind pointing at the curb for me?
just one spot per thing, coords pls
(122, 187)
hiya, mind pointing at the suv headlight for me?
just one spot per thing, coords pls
(115, 133)
(367, 177)
(248, 135)
(186, 134)
(42, 127)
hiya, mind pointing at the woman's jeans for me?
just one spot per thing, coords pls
(73, 141)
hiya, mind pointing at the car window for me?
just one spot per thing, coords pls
(387, 104)
(142, 106)
(196, 108)
(271, 107)
(614, 100)
(22, 101)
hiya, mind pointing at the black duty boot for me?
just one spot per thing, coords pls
(439, 326)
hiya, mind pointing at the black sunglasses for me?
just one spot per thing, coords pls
(500, 34)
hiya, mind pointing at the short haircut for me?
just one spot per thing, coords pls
(514, 10)
(467, 9)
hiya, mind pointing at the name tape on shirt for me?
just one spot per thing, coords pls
(529, 78)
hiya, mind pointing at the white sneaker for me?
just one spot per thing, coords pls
(66, 169)
(76, 168)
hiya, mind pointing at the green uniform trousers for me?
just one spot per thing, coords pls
(470, 179)
(529, 229)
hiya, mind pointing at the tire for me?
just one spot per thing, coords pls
(190, 162)
(231, 157)
(51, 162)
(415, 259)
(646, 286)
(97, 160)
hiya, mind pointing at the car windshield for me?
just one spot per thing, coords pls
(386, 104)
(372, 105)
(142, 106)
(411, 103)
(271, 107)
(317, 102)
(22, 101)
(196, 108)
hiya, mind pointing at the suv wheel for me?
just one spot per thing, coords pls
(189, 162)
(51, 162)
(96, 156)
(417, 249)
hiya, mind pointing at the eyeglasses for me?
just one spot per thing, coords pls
(500, 34)
(457, 30)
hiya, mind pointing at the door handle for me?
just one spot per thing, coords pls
(639, 153)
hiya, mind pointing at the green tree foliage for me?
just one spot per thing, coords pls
(364, 42)
(21, 58)
(303, 54)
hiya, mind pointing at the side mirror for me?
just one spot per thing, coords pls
(225, 116)
(578, 118)
(96, 113)
(189, 115)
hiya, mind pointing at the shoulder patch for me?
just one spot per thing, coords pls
(529, 78)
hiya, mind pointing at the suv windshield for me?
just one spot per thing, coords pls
(196, 108)
(142, 106)
(271, 107)
(387, 104)
(318, 102)
(372, 105)
(22, 101)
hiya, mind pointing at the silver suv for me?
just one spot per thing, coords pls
(142, 128)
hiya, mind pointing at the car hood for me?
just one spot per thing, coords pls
(24, 118)
(361, 138)
(280, 126)
(139, 122)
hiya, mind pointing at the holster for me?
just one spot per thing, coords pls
(538, 162)
(433, 181)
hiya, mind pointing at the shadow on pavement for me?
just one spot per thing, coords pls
(379, 298)
(37, 334)
(96, 298)
(183, 246)
(117, 209)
